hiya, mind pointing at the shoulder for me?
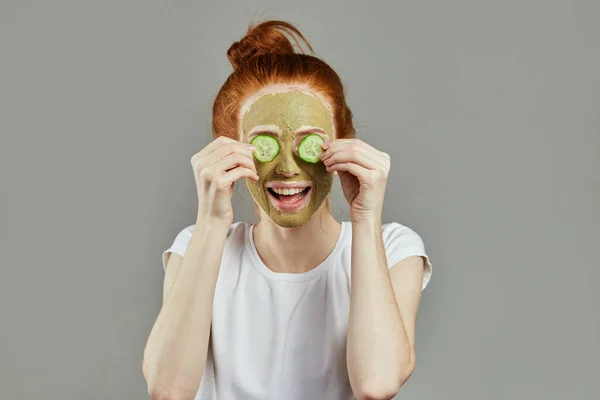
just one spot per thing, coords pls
(396, 233)
(402, 242)
(182, 238)
(184, 235)
(398, 239)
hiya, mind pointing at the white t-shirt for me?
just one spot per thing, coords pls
(282, 336)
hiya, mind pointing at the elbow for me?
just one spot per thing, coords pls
(169, 385)
(377, 391)
(163, 395)
(160, 393)
(163, 389)
(170, 394)
(384, 389)
(156, 394)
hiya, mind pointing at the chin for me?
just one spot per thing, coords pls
(289, 221)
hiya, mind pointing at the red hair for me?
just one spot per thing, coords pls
(266, 56)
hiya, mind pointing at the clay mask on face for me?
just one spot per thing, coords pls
(288, 117)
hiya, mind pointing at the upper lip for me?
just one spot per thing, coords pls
(288, 185)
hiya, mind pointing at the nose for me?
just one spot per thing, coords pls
(287, 165)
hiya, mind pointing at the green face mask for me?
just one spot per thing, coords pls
(289, 117)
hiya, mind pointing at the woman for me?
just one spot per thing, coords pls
(298, 306)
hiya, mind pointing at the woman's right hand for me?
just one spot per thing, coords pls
(216, 167)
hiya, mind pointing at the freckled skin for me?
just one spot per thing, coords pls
(289, 111)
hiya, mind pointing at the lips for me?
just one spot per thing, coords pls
(289, 197)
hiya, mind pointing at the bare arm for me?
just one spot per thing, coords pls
(380, 347)
(383, 303)
(175, 354)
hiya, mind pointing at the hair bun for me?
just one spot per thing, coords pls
(264, 38)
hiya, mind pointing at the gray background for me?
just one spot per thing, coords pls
(489, 110)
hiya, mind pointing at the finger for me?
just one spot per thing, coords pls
(234, 160)
(215, 144)
(358, 156)
(381, 159)
(358, 171)
(339, 144)
(230, 177)
(226, 150)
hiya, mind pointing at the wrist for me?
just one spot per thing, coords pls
(213, 224)
(365, 217)
(366, 221)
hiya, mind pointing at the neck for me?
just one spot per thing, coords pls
(298, 249)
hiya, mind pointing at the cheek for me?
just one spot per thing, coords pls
(258, 194)
(263, 171)
(323, 182)
(319, 173)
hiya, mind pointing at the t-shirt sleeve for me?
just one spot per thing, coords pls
(179, 245)
(402, 242)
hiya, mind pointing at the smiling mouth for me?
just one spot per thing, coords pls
(289, 195)
(289, 199)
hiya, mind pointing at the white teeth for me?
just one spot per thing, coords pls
(287, 191)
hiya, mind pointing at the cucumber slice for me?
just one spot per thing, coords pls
(265, 148)
(310, 148)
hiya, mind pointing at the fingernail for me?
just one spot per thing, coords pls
(251, 147)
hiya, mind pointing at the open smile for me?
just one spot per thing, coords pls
(289, 197)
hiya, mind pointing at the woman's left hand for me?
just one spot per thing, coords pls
(363, 172)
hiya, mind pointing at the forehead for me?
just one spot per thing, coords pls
(288, 110)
